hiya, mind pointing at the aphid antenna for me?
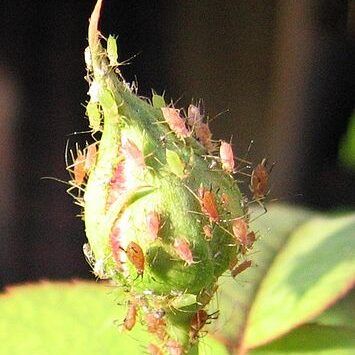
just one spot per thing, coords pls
(260, 215)
(218, 115)
(77, 133)
(128, 60)
(196, 212)
(55, 179)
(260, 203)
(244, 216)
(244, 161)
(173, 104)
(156, 159)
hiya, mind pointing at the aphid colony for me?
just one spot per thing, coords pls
(163, 214)
(213, 206)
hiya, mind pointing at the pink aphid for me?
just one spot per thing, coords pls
(175, 121)
(117, 184)
(115, 246)
(79, 168)
(90, 159)
(132, 154)
(227, 157)
(153, 223)
(194, 116)
(174, 347)
(240, 231)
(182, 248)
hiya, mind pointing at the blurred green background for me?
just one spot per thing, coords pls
(279, 73)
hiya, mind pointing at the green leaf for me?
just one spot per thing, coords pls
(312, 339)
(340, 314)
(237, 296)
(314, 268)
(72, 318)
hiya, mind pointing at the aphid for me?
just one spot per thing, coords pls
(131, 317)
(240, 268)
(153, 223)
(207, 230)
(115, 246)
(94, 116)
(94, 92)
(240, 231)
(182, 248)
(158, 100)
(205, 295)
(89, 255)
(198, 321)
(194, 116)
(224, 199)
(133, 156)
(227, 157)
(175, 163)
(233, 262)
(88, 58)
(136, 256)
(90, 157)
(112, 51)
(174, 347)
(250, 241)
(156, 325)
(154, 349)
(99, 269)
(259, 181)
(208, 204)
(175, 121)
(204, 135)
(79, 168)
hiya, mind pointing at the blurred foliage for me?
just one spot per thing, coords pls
(347, 145)
(290, 302)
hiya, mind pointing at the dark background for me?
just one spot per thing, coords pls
(283, 70)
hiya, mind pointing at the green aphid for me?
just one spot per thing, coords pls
(108, 102)
(94, 115)
(112, 51)
(158, 101)
(175, 163)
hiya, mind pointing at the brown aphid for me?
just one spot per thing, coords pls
(240, 268)
(208, 204)
(224, 199)
(259, 181)
(154, 349)
(131, 317)
(198, 321)
(136, 256)
(233, 262)
(250, 240)
(156, 325)
(207, 230)
(205, 295)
